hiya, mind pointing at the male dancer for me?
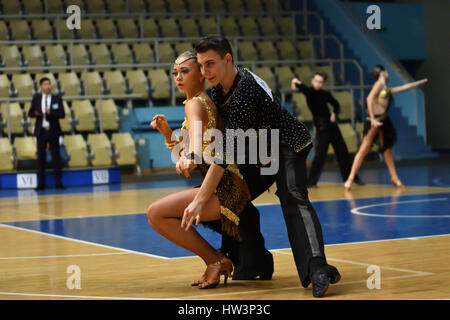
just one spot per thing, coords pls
(327, 130)
(245, 102)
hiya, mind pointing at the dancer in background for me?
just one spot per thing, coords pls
(327, 130)
(379, 125)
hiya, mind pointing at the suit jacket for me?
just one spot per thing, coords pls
(56, 113)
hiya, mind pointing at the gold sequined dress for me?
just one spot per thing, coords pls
(233, 192)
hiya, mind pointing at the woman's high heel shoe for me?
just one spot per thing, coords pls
(214, 271)
(199, 281)
(397, 183)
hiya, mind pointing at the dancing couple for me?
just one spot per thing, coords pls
(238, 99)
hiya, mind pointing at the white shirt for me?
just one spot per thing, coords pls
(45, 123)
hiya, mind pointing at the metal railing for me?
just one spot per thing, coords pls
(218, 16)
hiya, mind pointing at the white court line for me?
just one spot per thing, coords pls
(73, 296)
(357, 210)
(345, 243)
(65, 256)
(288, 288)
(419, 273)
(176, 258)
(194, 296)
(83, 241)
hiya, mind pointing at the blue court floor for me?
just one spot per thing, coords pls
(343, 220)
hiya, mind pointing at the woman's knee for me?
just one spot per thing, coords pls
(153, 213)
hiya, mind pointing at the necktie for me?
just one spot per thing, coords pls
(46, 108)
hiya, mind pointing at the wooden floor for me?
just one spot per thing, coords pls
(33, 265)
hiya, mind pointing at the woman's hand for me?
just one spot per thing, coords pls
(423, 81)
(375, 123)
(192, 212)
(159, 122)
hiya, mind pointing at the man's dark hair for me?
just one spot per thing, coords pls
(322, 74)
(216, 42)
(44, 79)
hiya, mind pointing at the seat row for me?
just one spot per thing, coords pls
(154, 82)
(111, 28)
(135, 53)
(149, 83)
(81, 116)
(97, 151)
(135, 6)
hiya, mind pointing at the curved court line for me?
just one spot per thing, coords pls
(357, 211)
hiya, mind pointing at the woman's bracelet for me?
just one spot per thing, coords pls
(172, 144)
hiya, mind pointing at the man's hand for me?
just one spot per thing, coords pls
(294, 83)
(333, 117)
(37, 113)
(192, 212)
(185, 166)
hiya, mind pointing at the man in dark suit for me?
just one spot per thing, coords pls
(47, 109)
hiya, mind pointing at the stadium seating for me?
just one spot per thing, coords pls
(15, 116)
(115, 82)
(10, 56)
(109, 114)
(127, 28)
(76, 147)
(20, 29)
(346, 102)
(11, 7)
(94, 83)
(56, 56)
(42, 29)
(301, 107)
(23, 85)
(7, 159)
(159, 82)
(125, 149)
(33, 56)
(106, 28)
(5, 86)
(100, 148)
(4, 33)
(84, 115)
(138, 82)
(143, 53)
(25, 148)
(70, 83)
(55, 6)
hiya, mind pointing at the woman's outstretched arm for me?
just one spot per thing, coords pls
(408, 86)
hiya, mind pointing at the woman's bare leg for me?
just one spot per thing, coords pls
(360, 155)
(165, 217)
(390, 163)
